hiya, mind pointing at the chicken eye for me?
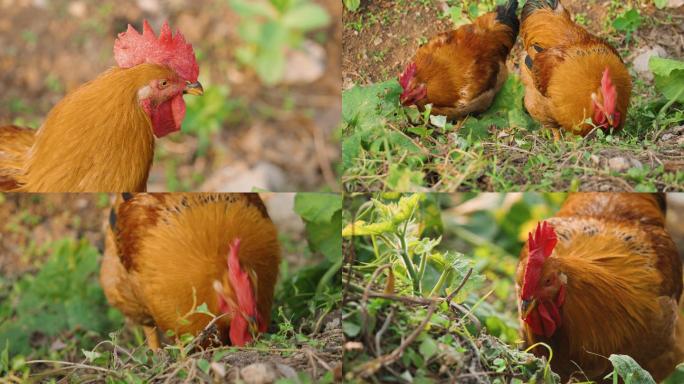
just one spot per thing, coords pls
(548, 281)
(163, 84)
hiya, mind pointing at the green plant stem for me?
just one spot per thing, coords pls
(409, 265)
(329, 274)
(440, 283)
(662, 112)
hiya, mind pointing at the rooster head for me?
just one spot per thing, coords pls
(604, 102)
(237, 298)
(413, 91)
(543, 288)
(161, 96)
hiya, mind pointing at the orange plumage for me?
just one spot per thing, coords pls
(570, 75)
(100, 137)
(167, 254)
(610, 285)
(459, 72)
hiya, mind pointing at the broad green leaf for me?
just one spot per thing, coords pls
(669, 77)
(317, 207)
(306, 16)
(352, 5)
(428, 347)
(629, 370)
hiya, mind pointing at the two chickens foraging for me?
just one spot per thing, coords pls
(573, 80)
(100, 137)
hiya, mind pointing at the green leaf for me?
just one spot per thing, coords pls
(428, 347)
(327, 237)
(203, 365)
(629, 370)
(91, 355)
(660, 4)
(629, 21)
(366, 107)
(317, 207)
(249, 8)
(456, 14)
(306, 17)
(270, 61)
(350, 329)
(352, 5)
(669, 77)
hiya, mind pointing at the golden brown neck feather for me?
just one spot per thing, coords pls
(97, 138)
(612, 288)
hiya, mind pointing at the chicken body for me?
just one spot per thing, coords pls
(611, 285)
(100, 137)
(459, 72)
(166, 253)
(570, 75)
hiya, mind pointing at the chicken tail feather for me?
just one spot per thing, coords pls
(15, 142)
(533, 5)
(506, 14)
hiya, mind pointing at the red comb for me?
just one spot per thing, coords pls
(239, 277)
(132, 48)
(609, 92)
(540, 245)
(409, 73)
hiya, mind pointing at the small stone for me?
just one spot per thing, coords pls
(377, 41)
(667, 137)
(637, 164)
(641, 61)
(675, 3)
(259, 373)
(286, 371)
(595, 159)
(305, 65)
(77, 9)
(618, 164)
(219, 369)
(151, 6)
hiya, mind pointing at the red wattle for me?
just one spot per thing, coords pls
(239, 334)
(168, 116)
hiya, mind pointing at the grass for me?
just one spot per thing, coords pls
(387, 147)
(55, 322)
(430, 293)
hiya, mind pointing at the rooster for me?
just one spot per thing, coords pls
(459, 72)
(100, 137)
(570, 76)
(167, 254)
(603, 277)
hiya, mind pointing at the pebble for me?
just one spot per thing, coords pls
(618, 164)
(259, 373)
(305, 65)
(641, 61)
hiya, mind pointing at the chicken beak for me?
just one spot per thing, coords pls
(526, 306)
(253, 326)
(193, 88)
(611, 120)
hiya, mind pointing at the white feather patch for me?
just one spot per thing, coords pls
(563, 278)
(144, 92)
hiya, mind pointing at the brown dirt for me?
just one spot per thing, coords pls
(50, 48)
(390, 36)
